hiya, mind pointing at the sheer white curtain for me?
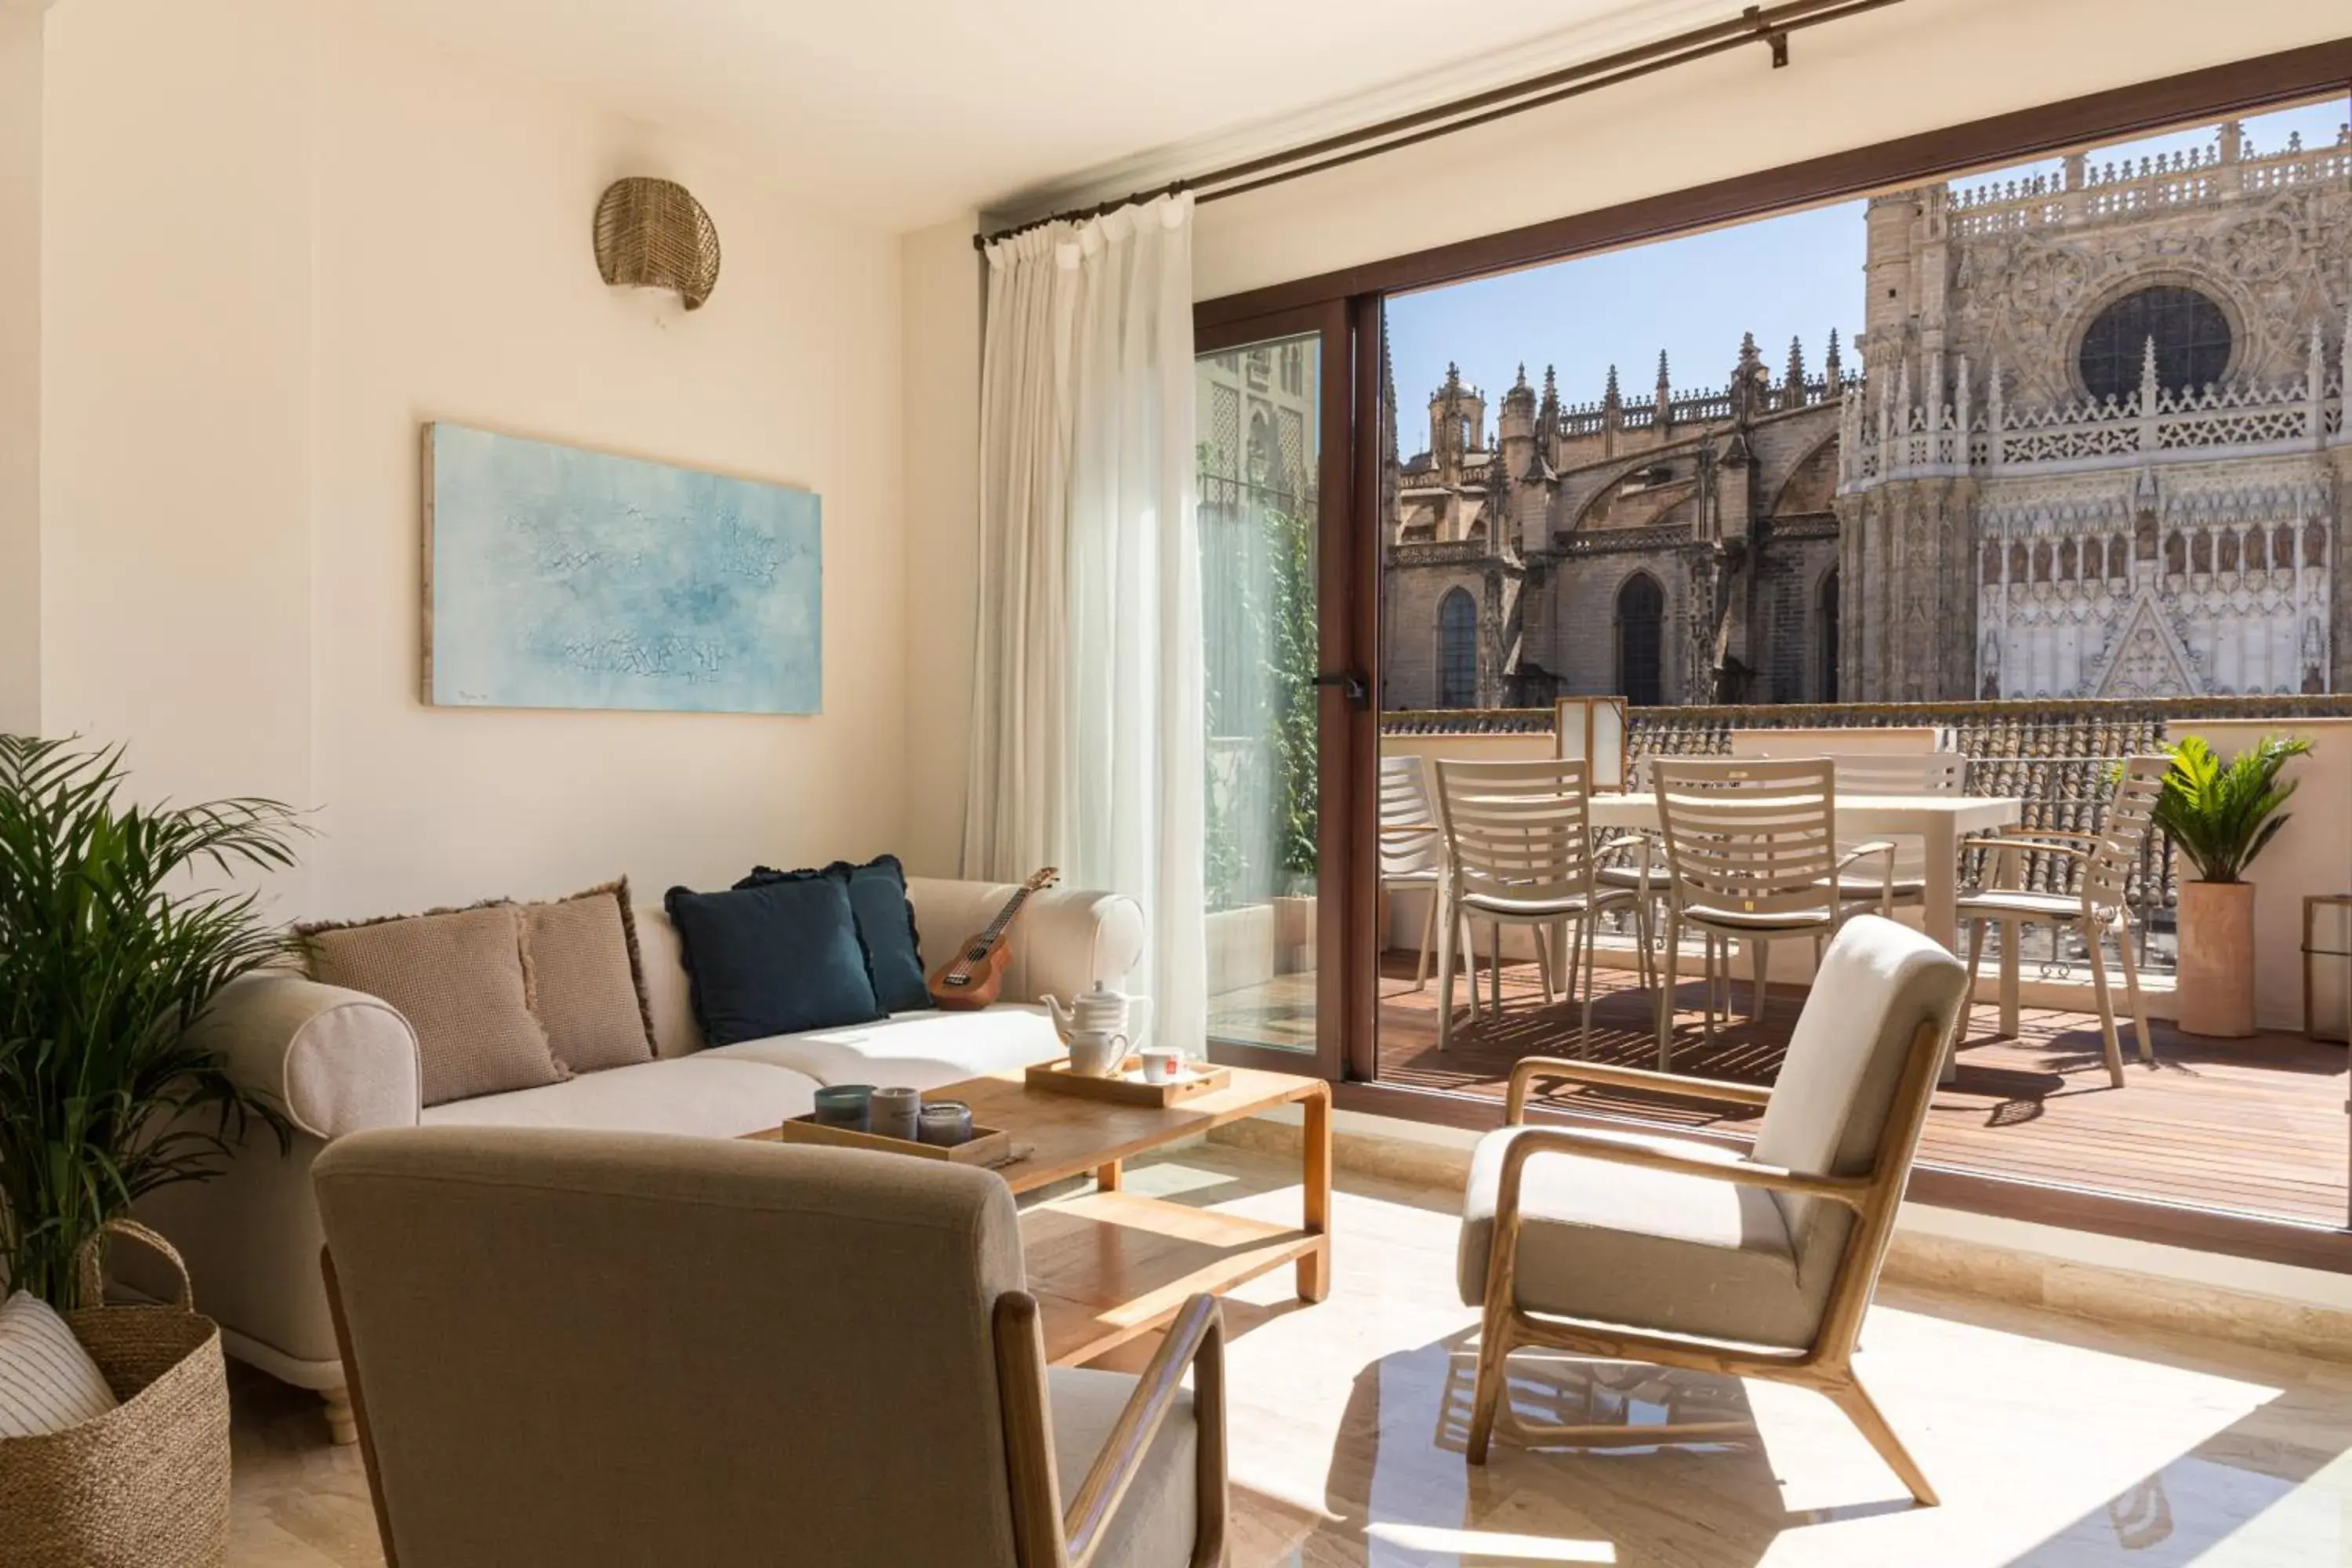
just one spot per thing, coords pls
(1087, 748)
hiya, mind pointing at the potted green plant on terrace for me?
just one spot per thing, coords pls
(2220, 815)
(110, 947)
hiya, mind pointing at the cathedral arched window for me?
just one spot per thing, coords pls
(2192, 334)
(2017, 562)
(2118, 559)
(1991, 562)
(2315, 542)
(1642, 641)
(2176, 553)
(1826, 624)
(2283, 546)
(2041, 562)
(1457, 651)
(2200, 552)
(2066, 560)
(2228, 555)
(2258, 551)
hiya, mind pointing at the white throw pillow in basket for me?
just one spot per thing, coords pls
(48, 1382)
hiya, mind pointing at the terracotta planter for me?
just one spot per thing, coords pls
(2216, 987)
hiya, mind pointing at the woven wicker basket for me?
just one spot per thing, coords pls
(146, 1484)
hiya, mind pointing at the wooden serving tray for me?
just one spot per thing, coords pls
(1201, 1077)
(986, 1146)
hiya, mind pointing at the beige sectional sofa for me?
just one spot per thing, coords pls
(340, 1061)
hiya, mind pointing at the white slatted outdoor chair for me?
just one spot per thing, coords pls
(1519, 852)
(1643, 874)
(1879, 772)
(2103, 862)
(1752, 849)
(1412, 847)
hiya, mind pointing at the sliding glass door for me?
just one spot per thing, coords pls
(1272, 407)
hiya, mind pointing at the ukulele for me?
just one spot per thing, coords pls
(973, 977)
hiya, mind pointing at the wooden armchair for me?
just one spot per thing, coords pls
(1686, 1254)
(571, 1347)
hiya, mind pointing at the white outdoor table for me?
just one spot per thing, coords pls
(1940, 821)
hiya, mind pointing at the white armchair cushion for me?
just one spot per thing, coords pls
(1623, 1244)
(1878, 982)
(1154, 1526)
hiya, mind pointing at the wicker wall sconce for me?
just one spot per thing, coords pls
(653, 234)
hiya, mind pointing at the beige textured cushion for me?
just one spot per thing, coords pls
(460, 979)
(1154, 1524)
(585, 983)
(1654, 1249)
(1878, 984)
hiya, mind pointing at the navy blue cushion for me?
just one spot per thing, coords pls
(885, 925)
(773, 960)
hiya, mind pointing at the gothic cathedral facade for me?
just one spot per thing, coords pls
(2096, 445)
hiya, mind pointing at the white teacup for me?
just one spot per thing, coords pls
(1096, 1053)
(1161, 1064)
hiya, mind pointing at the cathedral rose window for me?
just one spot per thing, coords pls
(2192, 341)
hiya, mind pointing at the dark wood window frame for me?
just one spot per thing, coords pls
(1347, 306)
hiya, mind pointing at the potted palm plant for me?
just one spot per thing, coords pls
(2221, 815)
(110, 945)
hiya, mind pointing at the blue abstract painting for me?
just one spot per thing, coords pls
(562, 578)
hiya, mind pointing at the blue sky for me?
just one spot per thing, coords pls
(1796, 275)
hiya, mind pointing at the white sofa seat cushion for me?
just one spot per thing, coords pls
(693, 1095)
(1657, 1249)
(919, 1050)
(1153, 1527)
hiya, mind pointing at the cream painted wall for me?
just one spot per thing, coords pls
(2312, 853)
(1916, 67)
(282, 234)
(942, 283)
(20, 366)
(176, 390)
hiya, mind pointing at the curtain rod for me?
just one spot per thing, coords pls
(1769, 26)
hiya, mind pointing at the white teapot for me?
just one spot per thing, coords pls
(1101, 1011)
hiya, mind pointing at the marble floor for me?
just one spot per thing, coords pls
(2056, 1442)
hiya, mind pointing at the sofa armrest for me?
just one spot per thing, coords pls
(335, 1060)
(1067, 939)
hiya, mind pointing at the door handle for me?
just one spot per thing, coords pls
(1351, 682)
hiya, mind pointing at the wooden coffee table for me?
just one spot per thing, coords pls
(1109, 1265)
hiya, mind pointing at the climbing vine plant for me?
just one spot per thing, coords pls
(1260, 630)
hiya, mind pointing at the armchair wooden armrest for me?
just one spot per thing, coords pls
(1529, 1068)
(1853, 1192)
(1194, 1339)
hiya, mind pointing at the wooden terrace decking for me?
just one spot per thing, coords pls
(2254, 1126)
